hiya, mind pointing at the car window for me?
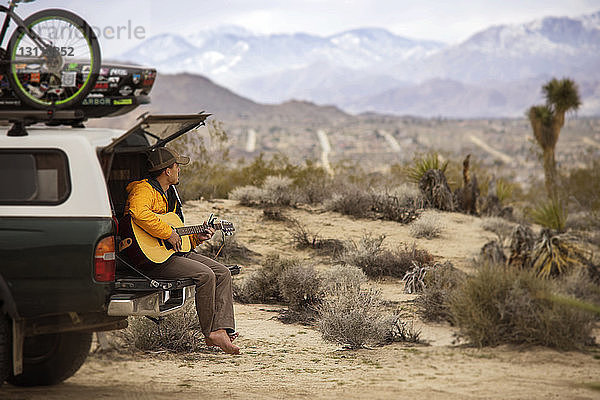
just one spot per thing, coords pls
(38, 176)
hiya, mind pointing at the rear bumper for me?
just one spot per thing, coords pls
(153, 304)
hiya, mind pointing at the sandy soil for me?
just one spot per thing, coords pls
(282, 361)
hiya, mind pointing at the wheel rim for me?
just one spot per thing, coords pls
(56, 75)
(40, 348)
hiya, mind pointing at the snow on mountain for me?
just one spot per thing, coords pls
(231, 54)
(373, 69)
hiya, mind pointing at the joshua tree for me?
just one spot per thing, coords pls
(547, 120)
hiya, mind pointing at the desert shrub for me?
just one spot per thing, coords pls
(583, 186)
(277, 191)
(262, 285)
(550, 214)
(178, 332)
(304, 239)
(376, 261)
(579, 283)
(426, 226)
(342, 277)
(440, 281)
(351, 200)
(301, 289)
(274, 214)
(501, 227)
(247, 195)
(313, 184)
(423, 164)
(398, 205)
(505, 305)
(353, 318)
(231, 252)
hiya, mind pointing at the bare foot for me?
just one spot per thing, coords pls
(221, 339)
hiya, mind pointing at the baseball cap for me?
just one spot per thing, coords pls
(163, 157)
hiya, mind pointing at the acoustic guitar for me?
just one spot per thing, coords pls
(142, 248)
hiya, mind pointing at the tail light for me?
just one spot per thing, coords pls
(104, 260)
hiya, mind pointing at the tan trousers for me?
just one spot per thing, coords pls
(214, 295)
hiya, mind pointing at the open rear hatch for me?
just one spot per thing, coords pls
(123, 161)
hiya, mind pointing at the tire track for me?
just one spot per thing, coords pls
(325, 150)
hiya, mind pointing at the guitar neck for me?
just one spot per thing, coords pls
(191, 230)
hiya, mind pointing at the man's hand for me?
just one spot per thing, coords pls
(175, 240)
(207, 235)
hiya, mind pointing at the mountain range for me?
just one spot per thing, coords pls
(497, 72)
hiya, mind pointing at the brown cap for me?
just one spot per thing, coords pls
(163, 157)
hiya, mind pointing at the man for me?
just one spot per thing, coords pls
(214, 296)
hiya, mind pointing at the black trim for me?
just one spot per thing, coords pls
(33, 151)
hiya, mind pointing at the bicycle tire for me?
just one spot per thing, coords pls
(58, 86)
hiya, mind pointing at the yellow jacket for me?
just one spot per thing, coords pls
(143, 201)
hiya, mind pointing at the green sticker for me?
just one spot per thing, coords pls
(122, 102)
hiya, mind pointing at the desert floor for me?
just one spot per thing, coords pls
(282, 361)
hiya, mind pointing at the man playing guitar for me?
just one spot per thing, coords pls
(214, 295)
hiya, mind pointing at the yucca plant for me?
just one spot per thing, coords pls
(424, 164)
(504, 190)
(556, 254)
(550, 214)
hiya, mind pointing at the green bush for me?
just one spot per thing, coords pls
(504, 305)
(550, 214)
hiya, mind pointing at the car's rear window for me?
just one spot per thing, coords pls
(39, 176)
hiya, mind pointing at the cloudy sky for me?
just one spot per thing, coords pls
(446, 21)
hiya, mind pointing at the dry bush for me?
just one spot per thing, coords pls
(301, 288)
(247, 195)
(396, 206)
(505, 305)
(277, 191)
(440, 281)
(501, 227)
(342, 277)
(178, 332)
(351, 200)
(427, 226)
(232, 252)
(262, 285)
(580, 283)
(353, 318)
(274, 214)
(304, 239)
(376, 261)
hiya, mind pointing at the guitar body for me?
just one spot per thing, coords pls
(146, 248)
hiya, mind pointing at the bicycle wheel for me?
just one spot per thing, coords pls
(60, 74)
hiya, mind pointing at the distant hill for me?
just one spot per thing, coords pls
(189, 93)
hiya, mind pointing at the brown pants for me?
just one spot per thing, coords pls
(214, 295)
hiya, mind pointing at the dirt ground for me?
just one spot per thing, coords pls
(283, 361)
